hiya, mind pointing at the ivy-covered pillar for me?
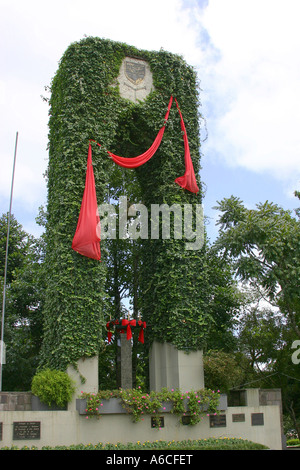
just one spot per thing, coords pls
(80, 109)
(174, 272)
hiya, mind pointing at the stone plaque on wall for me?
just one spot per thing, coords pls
(217, 421)
(257, 419)
(135, 79)
(238, 418)
(26, 430)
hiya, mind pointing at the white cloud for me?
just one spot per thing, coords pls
(34, 37)
(246, 52)
(254, 85)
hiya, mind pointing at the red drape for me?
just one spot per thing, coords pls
(142, 324)
(87, 236)
(188, 180)
(144, 157)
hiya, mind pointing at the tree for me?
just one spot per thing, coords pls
(24, 300)
(264, 245)
(260, 331)
(224, 370)
(18, 241)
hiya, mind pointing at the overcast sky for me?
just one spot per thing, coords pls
(247, 56)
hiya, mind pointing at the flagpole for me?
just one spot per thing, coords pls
(5, 268)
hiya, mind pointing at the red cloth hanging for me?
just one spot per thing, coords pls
(144, 157)
(188, 180)
(109, 333)
(87, 236)
(108, 325)
(142, 324)
(86, 240)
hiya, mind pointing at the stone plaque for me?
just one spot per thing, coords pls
(135, 72)
(1, 431)
(26, 430)
(217, 421)
(257, 419)
(135, 79)
(238, 418)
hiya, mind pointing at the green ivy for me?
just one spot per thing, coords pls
(85, 104)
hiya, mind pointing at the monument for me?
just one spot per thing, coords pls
(109, 99)
(120, 106)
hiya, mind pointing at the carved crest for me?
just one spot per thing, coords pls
(135, 72)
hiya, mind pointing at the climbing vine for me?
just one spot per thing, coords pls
(85, 104)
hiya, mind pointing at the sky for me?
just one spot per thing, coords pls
(247, 57)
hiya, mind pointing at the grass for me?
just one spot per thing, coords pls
(224, 443)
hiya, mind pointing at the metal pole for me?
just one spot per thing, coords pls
(5, 268)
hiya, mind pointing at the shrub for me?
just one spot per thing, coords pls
(293, 442)
(53, 386)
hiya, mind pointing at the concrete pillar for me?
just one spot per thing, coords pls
(87, 369)
(175, 369)
(126, 362)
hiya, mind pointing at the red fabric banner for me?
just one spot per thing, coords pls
(87, 235)
(188, 180)
(144, 157)
(142, 324)
(86, 240)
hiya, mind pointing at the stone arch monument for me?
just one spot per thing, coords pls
(116, 95)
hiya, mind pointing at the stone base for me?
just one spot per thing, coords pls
(87, 369)
(124, 365)
(175, 369)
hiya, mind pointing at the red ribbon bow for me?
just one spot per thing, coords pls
(128, 324)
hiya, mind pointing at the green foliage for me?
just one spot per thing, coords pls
(23, 305)
(265, 246)
(222, 370)
(221, 443)
(17, 249)
(53, 386)
(293, 442)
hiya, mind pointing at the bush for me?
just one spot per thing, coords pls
(53, 386)
(293, 442)
(221, 443)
